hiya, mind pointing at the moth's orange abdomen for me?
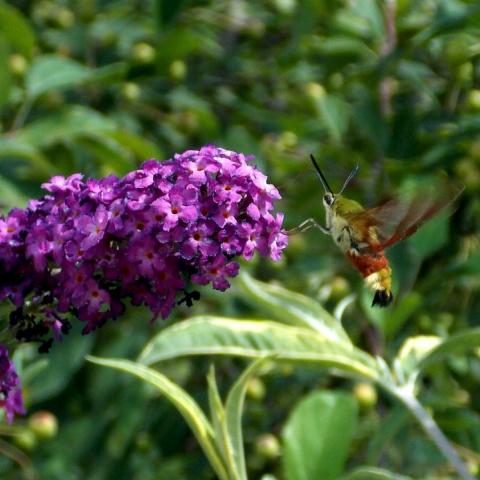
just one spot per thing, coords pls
(377, 273)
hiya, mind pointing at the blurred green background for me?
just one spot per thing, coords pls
(97, 86)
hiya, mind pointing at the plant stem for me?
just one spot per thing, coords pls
(22, 114)
(18, 456)
(431, 429)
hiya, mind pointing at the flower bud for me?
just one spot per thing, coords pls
(366, 395)
(18, 64)
(43, 424)
(339, 288)
(256, 388)
(143, 53)
(285, 7)
(25, 440)
(131, 91)
(473, 99)
(314, 90)
(268, 446)
(65, 18)
(178, 70)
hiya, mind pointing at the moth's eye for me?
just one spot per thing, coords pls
(328, 199)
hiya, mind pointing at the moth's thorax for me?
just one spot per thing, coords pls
(339, 229)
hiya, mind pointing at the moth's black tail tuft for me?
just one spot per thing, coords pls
(382, 298)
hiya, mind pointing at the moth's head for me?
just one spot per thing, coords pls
(330, 199)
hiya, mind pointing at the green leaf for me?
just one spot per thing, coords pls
(18, 148)
(337, 47)
(107, 153)
(317, 436)
(404, 310)
(291, 308)
(138, 145)
(431, 237)
(51, 72)
(16, 30)
(64, 360)
(66, 125)
(233, 413)
(5, 75)
(459, 343)
(413, 350)
(372, 14)
(217, 414)
(168, 11)
(208, 335)
(335, 113)
(184, 403)
(373, 473)
(12, 195)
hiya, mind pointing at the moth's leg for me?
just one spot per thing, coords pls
(354, 245)
(361, 247)
(306, 225)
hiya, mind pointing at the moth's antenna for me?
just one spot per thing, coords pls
(325, 184)
(349, 178)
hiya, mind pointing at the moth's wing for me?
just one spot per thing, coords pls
(401, 217)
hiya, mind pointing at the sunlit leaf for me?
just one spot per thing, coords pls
(414, 349)
(233, 413)
(255, 339)
(217, 415)
(184, 403)
(291, 308)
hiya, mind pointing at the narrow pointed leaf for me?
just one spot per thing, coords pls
(217, 414)
(291, 308)
(182, 401)
(254, 339)
(373, 473)
(233, 411)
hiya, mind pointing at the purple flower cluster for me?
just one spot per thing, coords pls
(89, 245)
(10, 391)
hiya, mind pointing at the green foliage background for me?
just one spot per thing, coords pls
(97, 86)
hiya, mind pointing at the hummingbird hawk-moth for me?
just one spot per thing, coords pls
(363, 234)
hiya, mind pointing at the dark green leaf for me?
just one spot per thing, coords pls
(5, 76)
(16, 30)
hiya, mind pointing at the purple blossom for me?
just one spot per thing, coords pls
(10, 391)
(90, 246)
(216, 272)
(93, 227)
